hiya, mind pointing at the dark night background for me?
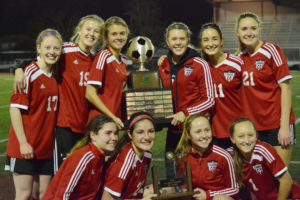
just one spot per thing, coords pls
(22, 20)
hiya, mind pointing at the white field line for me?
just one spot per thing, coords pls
(297, 121)
(4, 106)
(3, 140)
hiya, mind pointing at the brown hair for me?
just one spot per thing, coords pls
(94, 125)
(131, 126)
(203, 28)
(184, 144)
(237, 157)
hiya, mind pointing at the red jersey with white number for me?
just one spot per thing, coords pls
(109, 74)
(213, 172)
(79, 176)
(262, 73)
(126, 176)
(262, 171)
(227, 85)
(74, 69)
(192, 88)
(38, 106)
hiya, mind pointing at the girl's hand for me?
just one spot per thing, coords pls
(19, 81)
(161, 59)
(284, 136)
(178, 118)
(119, 122)
(26, 150)
(201, 195)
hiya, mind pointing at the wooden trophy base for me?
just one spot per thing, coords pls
(181, 195)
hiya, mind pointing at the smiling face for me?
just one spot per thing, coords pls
(211, 42)
(248, 32)
(89, 34)
(178, 42)
(244, 137)
(117, 35)
(106, 138)
(49, 50)
(200, 134)
(143, 136)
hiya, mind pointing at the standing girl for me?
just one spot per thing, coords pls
(80, 175)
(259, 166)
(108, 73)
(190, 80)
(212, 167)
(226, 73)
(127, 172)
(266, 90)
(33, 116)
(72, 74)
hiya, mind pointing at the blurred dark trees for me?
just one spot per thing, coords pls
(26, 18)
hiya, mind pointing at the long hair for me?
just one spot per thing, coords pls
(75, 37)
(203, 28)
(237, 156)
(184, 145)
(243, 16)
(134, 119)
(95, 124)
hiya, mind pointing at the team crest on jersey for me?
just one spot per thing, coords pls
(258, 168)
(229, 75)
(188, 71)
(212, 165)
(259, 64)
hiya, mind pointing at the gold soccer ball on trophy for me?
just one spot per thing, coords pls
(140, 50)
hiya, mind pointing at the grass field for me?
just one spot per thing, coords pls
(158, 150)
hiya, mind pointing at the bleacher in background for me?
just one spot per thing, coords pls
(286, 34)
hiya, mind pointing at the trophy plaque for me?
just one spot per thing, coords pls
(179, 186)
(145, 92)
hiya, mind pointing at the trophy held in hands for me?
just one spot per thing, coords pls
(145, 92)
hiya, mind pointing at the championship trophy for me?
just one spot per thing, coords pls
(145, 92)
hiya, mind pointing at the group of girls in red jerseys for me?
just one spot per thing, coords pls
(48, 111)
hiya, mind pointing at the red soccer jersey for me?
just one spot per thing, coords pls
(265, 166)
(227, 85)
(79, 177)
(213, 172)
(262, 73)
(38, 105)
(73, 107)
(110, 76)
(126, 176)
(192, 89)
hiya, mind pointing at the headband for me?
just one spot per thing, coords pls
(138, 118)
(46, 34)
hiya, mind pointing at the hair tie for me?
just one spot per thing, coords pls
(46, 34)
(138, 118)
